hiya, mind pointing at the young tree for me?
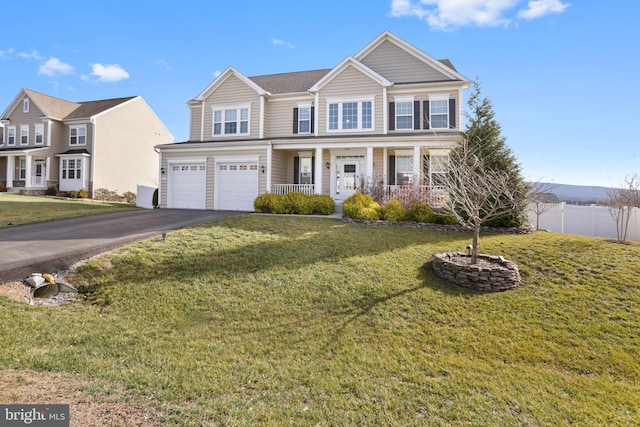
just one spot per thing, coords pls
(484, 135)
(477, 194)
(621, 202)
(542, 198)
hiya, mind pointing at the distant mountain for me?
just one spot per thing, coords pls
(580, 193)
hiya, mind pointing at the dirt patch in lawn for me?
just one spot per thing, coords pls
(87, 408)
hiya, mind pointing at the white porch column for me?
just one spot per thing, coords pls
(417, 165)
(369, 165)
(27, 169)
(317, 188)
(269, 163)
(385, 166)
(47, 172)
(11, 164)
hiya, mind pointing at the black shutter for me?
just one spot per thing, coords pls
(392, 116)
(313, 109)
(427, 119)
(296, 169)
(416, 115)
(295, 120)
(392, 170)
(313, 170)
(452, 113)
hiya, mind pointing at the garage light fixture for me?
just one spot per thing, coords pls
(162, 171)
(262, 169)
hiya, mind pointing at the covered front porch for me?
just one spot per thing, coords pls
(24, 170)
(384, 172)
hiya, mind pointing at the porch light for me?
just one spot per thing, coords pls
(262, 169)
(162, 171)
(327, 165)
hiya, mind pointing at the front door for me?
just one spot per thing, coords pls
(39, 173)
(346, 179)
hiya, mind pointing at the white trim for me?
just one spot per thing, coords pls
(218, 81)
(24, 127)
(350, 61)
(341, 102)
(223, 109)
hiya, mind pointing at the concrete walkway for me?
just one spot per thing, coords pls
(49, 247)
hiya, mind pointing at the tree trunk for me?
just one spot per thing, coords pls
(474, 249)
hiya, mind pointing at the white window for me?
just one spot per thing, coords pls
(439, 113)
(71, 168)
(25, 105)
(404, 115)
(404, 170)
(304, 119)
(350, 115)
(231, 121)
(24, 134)
(78, 135)
(39, 134)
(305, 171)
(11, 135)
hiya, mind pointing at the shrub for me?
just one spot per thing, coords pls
(51, 191)
(154, 199)
(82, 194)
(130, 197)
(393, 211)
(269, 203)
(420, 212)
(297, 203)
(361, 206)
(442, 217)
(322, 204)
(106, 195)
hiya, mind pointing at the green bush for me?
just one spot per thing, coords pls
(154, 199)
(443, 217)
(82, 194)
(269, 203)
(420, 212)
(51, 191)
(393, 211)
(361, 206)
(322, 204)
(297, 203)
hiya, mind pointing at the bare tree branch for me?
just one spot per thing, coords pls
(621, 201)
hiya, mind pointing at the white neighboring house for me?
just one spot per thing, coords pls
(388, 114)
(104, 144)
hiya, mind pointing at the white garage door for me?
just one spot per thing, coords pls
(236, 185)
(187, 186)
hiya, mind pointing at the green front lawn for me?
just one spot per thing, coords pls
(265, 320)
(18, 209)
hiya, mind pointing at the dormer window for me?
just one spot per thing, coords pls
(78, 135)
(25, 105)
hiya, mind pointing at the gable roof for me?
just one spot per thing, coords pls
(61, 109)
(350, 62)
(230, 71)
(444, 66)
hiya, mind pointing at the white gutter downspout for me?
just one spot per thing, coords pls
(163, 178)
(316, 113)
(269, 160)
(202, 122)
(93, 155)
(261, 124)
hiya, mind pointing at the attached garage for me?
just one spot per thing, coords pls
(187, 184)
(236, 185)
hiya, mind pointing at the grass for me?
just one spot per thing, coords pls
(262, 320)
(18, 209)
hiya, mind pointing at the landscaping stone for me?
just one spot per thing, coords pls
(491, 274)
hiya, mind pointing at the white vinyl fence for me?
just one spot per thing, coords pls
(595, 221)
(144, 197)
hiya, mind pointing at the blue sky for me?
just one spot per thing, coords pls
(561, 74)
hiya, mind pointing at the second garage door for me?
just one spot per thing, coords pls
(236, 185)
(187, 186)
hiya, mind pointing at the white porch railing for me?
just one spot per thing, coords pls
(435, 195)
(307, 189)
(38, 181)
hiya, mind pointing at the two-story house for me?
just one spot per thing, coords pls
(387, 115)
(105, 144)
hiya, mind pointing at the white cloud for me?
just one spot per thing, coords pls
(54, 67)
(6, 53)
(30, 55)
(446, 14)
(538, 8)
(278, 42)
(109, 73)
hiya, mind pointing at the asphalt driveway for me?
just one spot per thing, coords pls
(48, 247)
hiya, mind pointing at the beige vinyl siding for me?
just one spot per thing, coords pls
(326, 173)
(350, 85)
(279, 118)
(378, 163)
(399, 66)
(232, 93)
(123, 155)
(279, 168)
(194, 123)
